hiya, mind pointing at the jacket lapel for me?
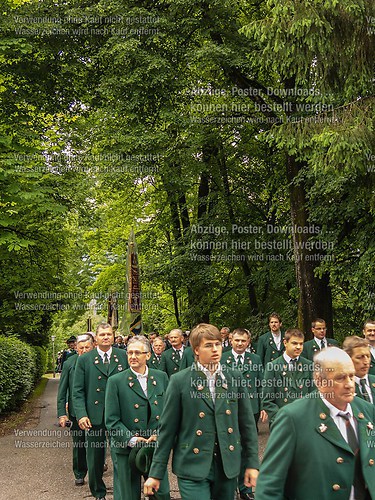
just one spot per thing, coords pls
(98, 362)
(221, 388)
(365, 427)
(175, 357)
(114, 364)
(135, 386)
(315, 346)
(273, 345)
(327, 429)
(151, 386)
(200, 385)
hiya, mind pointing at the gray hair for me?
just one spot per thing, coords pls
(177, 330)
(85, 338)
(324, 358)
(142, 339)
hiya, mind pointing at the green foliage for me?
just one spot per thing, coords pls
(18, 372)
(102, 131)
(41, 362)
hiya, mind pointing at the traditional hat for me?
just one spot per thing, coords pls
(140, 457)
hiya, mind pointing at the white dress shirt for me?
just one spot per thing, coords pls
(101, 354)
(211, 378)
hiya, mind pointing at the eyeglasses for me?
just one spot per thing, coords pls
(136, 353)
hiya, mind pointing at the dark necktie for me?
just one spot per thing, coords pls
(106, 362)
(239, 361)
(293, 364)
(359, 482)
(322, 344)
(352, 438)
(364, 390)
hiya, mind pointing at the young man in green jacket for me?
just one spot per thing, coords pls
(208, 421)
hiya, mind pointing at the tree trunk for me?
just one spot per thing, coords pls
(315, 299)
(251, 293)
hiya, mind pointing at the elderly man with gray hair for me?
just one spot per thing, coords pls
(133, 406)
(322, 446)
(171, 358)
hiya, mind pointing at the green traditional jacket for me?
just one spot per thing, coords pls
(187, 358)
(371, 379)
(129, 412)
(170, 362)
(153, 362)
(90, 381)
(65, 391)
(311, 347)
(191, 423)
(307, 458)
(252, 371)
(283, 386)
(267, 349)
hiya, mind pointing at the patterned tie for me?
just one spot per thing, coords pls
(322, 344)
(364, 390)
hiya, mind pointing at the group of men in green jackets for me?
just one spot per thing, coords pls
(204, 404)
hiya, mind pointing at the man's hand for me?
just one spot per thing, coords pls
(250, 478)
(151, 486)
(263, 416)
(84, 423)
(63, 420)
(141, 439)
(152, 438)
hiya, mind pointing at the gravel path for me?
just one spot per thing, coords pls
(36, 461)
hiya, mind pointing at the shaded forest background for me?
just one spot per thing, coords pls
(236, 138)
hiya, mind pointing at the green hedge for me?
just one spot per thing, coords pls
(41, 358)
(21, 367)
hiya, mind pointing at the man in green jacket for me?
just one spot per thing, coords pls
(171, 358)
(134, 402)
(322, 446)
(85, 343)
(270, 345)
(158, 347)
(288, 377)
(319, 341)
(359, 350)
(208, 421)
(90, 380)
(249, 364)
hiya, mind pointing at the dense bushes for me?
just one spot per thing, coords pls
(41, 359)
(21, 366)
